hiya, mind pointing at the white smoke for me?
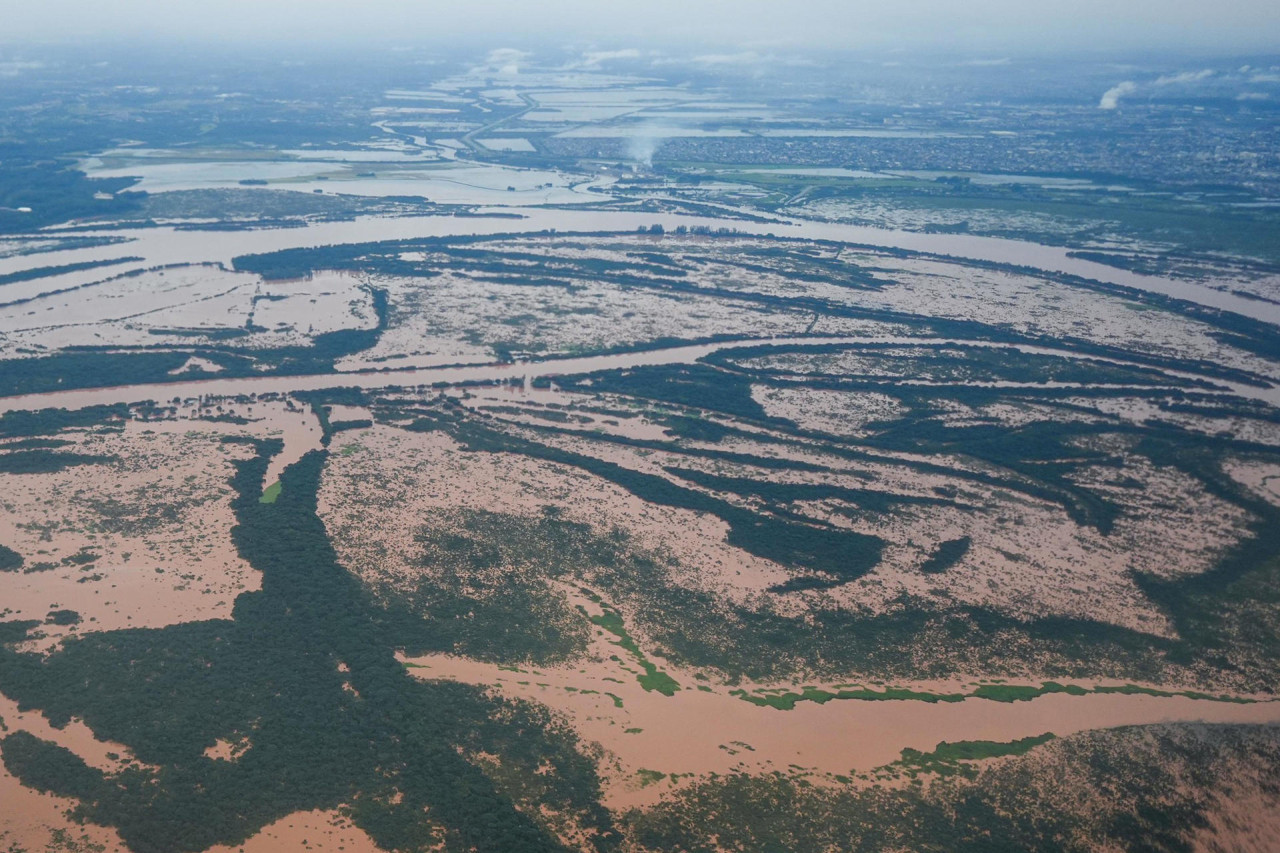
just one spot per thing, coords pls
(1111, 97)
(505, 61)
(642, 147)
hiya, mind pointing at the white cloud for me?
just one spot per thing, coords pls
(1184, 77)
(746, 57)
(503, 55)
(14, 68)
(593, 59)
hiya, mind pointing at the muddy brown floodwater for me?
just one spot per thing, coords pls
(705, 729)
(701, 729)
(315, 831)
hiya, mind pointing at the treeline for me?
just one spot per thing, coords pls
(68, 370)
(695, 386)
(37, 422)
(43, 272)
(43, 461)
(52, 191)
(948, 362)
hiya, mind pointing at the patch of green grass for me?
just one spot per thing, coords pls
(786, 700)
(1024, 693)
(272, 492)
(1135, 690)
(653, 678)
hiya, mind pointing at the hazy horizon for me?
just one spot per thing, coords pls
(1238, 26)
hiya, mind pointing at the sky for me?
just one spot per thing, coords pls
(1019, 26)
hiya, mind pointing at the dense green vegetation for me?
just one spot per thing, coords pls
(486, 585)
(40, 422)
(10, 560)
(53, 191)
(46, 461)
(695, 385)
(74, 369)
(62, 617)
(947, 555)
(787, 700)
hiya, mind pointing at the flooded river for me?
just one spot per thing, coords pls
(519, 373)
(712, 731)
(159, 246)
